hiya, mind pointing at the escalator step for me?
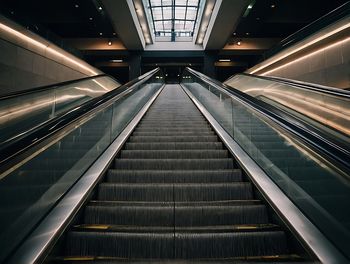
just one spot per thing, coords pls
(173, 146)
(164, 229)
(173, 176)
(186, 245)
(167, 215)
(182, 129)
(175, 192)
(174, 164)
(174, 139)
(172, 133)
(174, 154)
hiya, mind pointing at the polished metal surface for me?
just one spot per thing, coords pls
(34, 248)
(300, 225)
(331, 109)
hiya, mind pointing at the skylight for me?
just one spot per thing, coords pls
(173, 20)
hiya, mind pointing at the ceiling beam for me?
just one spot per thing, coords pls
(125, 22)
(224, 20)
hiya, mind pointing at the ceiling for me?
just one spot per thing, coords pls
(88, 27)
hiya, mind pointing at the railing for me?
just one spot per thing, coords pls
(326, 109)
(39, 169)
(295, 159)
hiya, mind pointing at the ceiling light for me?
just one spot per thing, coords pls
(234, 33)
(225, 60)
(101, 33)
(76, 5)
(258, 18)
(100, 8)
(247, 33)
(118, 60)
(109, 43)
(114, 33)
(90, 18)
(273, 6)
(249, 8)
(239, 43)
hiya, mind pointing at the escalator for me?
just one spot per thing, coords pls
(186, 173)
(175, 192)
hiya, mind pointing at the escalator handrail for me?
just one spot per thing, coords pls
(50, 87)
(34, 138)
(301, 85)
(308, 135)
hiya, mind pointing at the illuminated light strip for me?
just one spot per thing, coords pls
(43, 46)
(302, 47)
(325, 107)
(310, 114)
(100, 84)
(306, 56)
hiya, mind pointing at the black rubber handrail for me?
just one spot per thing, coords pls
(306, 133)
(301, 85)
(50, 86)
(14, 151)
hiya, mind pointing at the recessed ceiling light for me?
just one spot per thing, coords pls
(109, 43)
(101, 33)
(225, 60)
(258, 18)
(247, 33)
(76, 5)
(118, 60)
(90, 18)
(234, 33)
(239, 43)
(114, 33)
(100, 8)
(273, 6)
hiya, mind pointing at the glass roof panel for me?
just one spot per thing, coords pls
(156, 2)
(193, 3)
(175, 17)
(157, 13)
(180, 12)
(191, 13)
(180, 2)
(166, 2)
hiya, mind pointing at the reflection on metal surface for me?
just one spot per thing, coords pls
(25, 111)
(314, 110)
(328, 112)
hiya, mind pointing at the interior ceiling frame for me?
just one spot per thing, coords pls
(173, 31)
